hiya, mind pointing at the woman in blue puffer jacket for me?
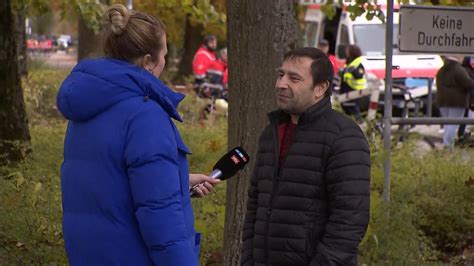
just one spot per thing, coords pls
(124, 179)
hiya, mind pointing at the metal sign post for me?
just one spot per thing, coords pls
(387, 115)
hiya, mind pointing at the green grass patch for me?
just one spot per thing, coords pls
(30, 224)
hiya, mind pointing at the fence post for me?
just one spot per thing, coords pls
(373, 105)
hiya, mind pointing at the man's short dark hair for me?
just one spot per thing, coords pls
(323, 43)
(321, 67)
(353, 52)
(209, 38)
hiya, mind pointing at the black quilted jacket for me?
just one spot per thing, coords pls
(315, 209)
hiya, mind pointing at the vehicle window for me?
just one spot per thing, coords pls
(311, 31)
(367, 37)
(344, 38)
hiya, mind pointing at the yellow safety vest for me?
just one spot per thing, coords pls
(355, 84)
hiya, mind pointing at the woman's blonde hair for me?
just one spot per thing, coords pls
(129, 35)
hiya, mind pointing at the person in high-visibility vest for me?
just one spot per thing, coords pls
(353, 78)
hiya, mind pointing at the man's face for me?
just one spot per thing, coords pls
(324, 48)
(224, 57)
(212, 44)
(295, 89)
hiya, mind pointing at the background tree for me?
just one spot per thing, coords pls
(187, 22)
(14, 134)
(188, 18)
(89, 17)
(260, 32)
(20, 32)
(210, 20)
(89, 40)
(21, 9)
(193, 37)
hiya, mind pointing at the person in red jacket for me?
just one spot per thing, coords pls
(226, 77)
(203, 58)
(226, 71)
(217, 75)
(217, 69)
(323, 45)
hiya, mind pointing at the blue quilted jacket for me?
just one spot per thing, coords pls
(124, 179)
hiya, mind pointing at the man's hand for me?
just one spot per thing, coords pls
(206, 184)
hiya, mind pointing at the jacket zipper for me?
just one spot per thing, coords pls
(275, 181)
(276, 176)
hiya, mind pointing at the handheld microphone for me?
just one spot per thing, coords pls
(227, 166)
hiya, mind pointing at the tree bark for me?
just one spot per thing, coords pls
(14, 133)
(192, 40)
(89, 43)
(259, 33)
(21, 42)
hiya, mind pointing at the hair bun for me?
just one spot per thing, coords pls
(116, 18)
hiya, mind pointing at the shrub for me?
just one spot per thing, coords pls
(40, 89)
(430, 212)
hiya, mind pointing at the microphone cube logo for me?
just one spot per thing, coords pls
(241, 155)
(235, 159)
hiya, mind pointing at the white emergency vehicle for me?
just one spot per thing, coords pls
(413, 70)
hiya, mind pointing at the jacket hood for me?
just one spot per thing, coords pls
(95, 85)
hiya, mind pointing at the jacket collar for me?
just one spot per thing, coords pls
(311, 114)
(356, 62)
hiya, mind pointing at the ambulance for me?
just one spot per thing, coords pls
(412, 70)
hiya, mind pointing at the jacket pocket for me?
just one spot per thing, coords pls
(182, 151)
(310, 244)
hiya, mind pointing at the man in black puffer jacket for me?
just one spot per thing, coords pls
(310, 191)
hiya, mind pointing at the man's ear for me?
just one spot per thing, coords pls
(321, 89)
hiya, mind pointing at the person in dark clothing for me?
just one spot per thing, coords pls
(453, 89)
(468, 64)
(309, 195)
(353, 78)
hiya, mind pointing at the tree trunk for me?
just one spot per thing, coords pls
(89, 43)
(192, 40)
(21, 42)
(14, 134)
(259, 33)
